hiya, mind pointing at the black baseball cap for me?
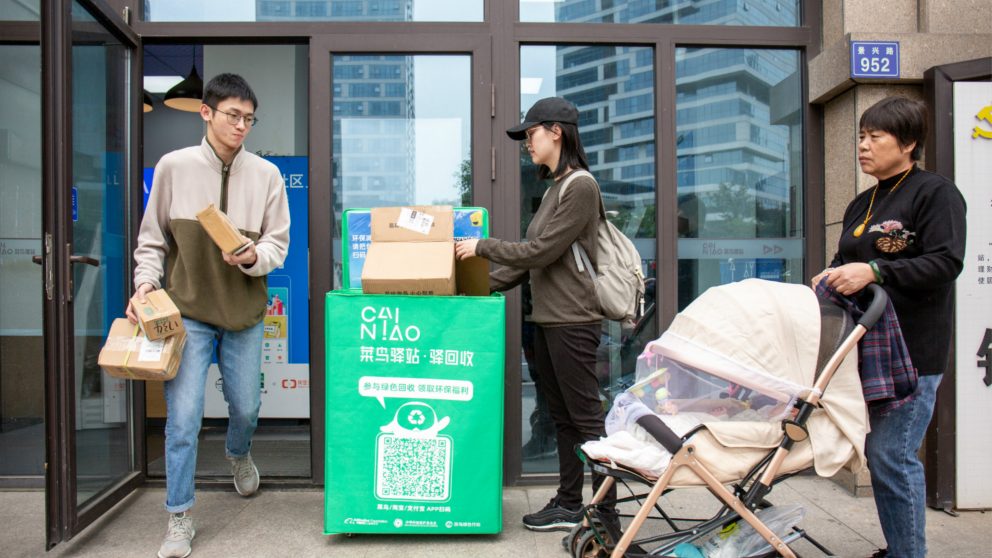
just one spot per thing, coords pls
(549, 109)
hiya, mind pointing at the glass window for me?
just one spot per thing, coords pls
(613, 88)
(739, 147)
(402, 133)
(712, 12)
(313, 10)
(22, 347)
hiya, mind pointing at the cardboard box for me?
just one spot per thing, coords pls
(413, 252)
(158, 316)
(129, 354)
(225, 235)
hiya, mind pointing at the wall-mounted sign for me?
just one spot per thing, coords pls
(871, 59)
(973, 290)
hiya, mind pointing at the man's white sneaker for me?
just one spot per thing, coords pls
(245, 475)
(178, 540)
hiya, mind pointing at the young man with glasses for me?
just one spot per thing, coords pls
(221, 296)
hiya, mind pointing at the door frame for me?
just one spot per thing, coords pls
(64, 518)
(425, 41)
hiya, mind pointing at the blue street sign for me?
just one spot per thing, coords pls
(75, 204)
(871, 59)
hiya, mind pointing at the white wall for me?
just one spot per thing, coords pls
(279, 76)
(271, 70)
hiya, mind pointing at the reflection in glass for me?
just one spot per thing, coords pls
(613, 88)
(100, 70)
(739, 149)
(22, 379)
(314, 10)
(21, 10)
(690, 12)
(401, 133)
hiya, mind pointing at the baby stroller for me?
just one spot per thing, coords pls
(731, 397)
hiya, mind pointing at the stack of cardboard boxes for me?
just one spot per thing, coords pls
(150, 350)
(413, 253)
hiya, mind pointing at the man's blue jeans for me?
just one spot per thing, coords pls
(896, 472)
(239, 355)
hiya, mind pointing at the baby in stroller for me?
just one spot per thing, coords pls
(684, 399)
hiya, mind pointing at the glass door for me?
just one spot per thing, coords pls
(92, 457)
(98, 284)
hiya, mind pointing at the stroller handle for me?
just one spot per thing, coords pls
(661, 432)
(879, 299)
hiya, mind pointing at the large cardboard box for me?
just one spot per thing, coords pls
(413, 252)
(225, 235)
(158, 316)
(129, 354)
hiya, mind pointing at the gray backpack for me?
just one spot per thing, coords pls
(618, 277)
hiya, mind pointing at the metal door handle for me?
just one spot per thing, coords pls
(37, 259)
(74, 260)
(84, 259)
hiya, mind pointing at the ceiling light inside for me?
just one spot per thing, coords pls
(161, 84)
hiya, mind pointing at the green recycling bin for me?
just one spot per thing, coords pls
(414, 418)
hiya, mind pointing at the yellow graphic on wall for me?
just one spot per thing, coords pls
(275, 327)
(985, 116)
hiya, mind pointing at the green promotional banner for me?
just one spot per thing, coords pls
(414, 415)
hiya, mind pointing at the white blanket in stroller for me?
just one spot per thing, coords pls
(720, 327)
(628, 443)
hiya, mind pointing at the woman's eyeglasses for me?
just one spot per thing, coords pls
(233, 119)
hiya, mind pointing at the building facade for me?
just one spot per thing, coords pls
(722, 133)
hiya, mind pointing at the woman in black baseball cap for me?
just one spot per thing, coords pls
(549, 109)
(565, 308)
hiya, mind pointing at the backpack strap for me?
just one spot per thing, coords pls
(571, 177)
(581, 258)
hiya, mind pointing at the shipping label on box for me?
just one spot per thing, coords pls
(418, 223)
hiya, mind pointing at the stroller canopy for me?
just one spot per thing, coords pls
(765, 335)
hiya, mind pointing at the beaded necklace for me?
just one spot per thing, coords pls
(861, 228)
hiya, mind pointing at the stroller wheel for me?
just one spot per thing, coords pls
(588, 546)
(572, 538)
(570, 541)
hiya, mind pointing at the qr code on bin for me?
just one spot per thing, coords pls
(413, 468)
